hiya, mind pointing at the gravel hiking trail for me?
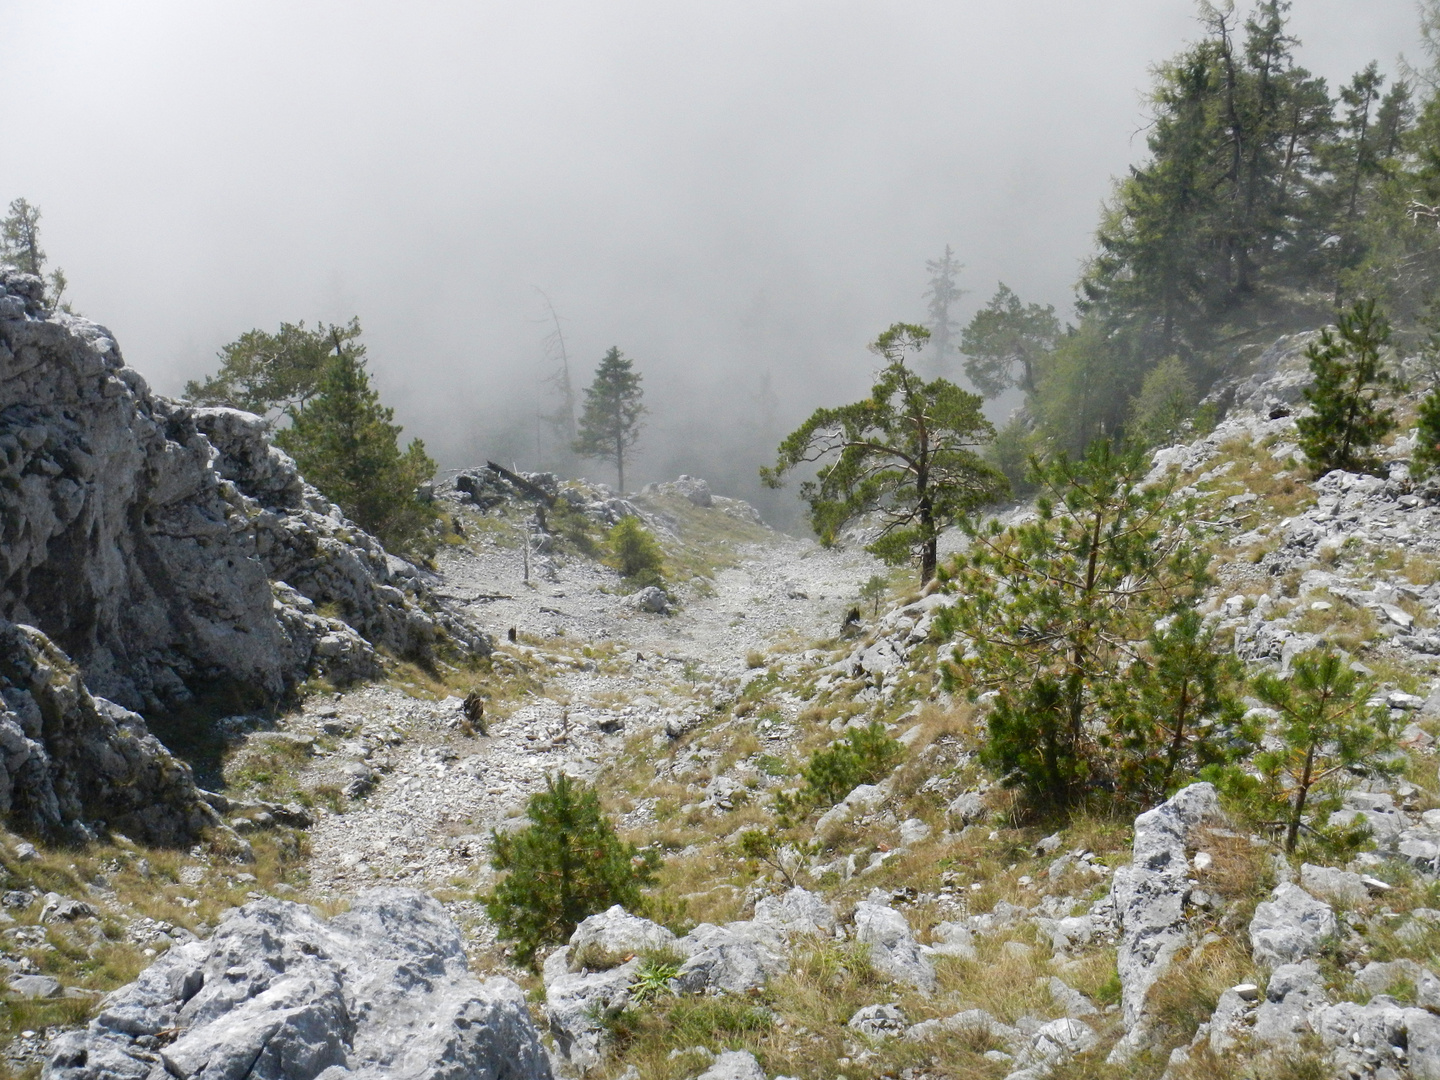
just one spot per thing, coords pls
(597, 671)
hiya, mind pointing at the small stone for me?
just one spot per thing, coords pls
(25, 852)
(1399, 616)
(1202, 861)
(878, 1021)
(1247, 991)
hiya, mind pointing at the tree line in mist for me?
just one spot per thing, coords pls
(1267, 203)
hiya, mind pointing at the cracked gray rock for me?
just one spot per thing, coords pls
(1149, 899)
(169, 550)
(382, 991)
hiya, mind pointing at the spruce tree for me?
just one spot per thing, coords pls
(1347, 421)
(610, 425)
(565, 866)
(346, 444)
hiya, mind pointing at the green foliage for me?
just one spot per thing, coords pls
(1329, 731)
(907, 452)
(1166, 401)
(346, 444)
(275, 375)
(1427, 435)
(565, 866)
(1347, 421)
(1006, 342)
(610, 424)
(571, 523)
(1086, 387)
(20, 248)
(873, 591)
(1056, 608)
(1176, 710)
(1010, 452)
(635, 552)
(1232, 209)
(775, 848)
(652, 980)
(863, 756)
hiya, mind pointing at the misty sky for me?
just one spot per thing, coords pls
(723, 190)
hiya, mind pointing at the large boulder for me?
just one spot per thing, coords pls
(616, 934)
(1294, 993)
(150, 540)
(382, 991)
(734, 1065)
(1149, 897)
(893, 950)
(732, 959)
(798, 911)
(1290, 926)
(577, 1006)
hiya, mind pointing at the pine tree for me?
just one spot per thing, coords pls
(907, 451)
(1347, 420)
(20, 238)
(1056, 607)
(565, 866)
(1006, 341)
(635, 551)
(1328, 731)
(610, 425)
(346, 444)
(1176, 711)
(1426, 460)
(1167, 398)
(275, 375)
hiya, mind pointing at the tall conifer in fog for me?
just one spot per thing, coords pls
(610, 425)
(943, 294)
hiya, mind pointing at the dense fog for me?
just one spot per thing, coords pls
(739, 196)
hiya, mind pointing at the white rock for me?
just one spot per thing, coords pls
(734, 1065)
(912, 831)
(617, 933)
(878, 1021)
(796, 912)
(1337, 884)
(279, 991)
(893, 951)
(1290, 926)
(1149, 898)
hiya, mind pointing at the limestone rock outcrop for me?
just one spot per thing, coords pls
(168, 549)
(70, 761)
(1149, 897)
(380, 991)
